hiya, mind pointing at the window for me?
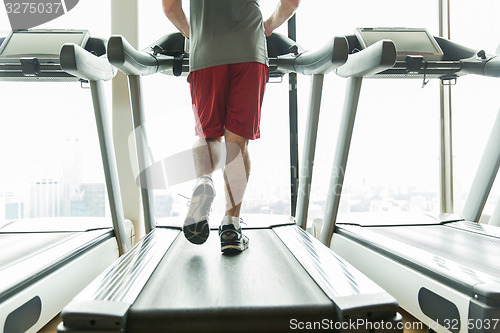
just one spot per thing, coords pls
(170, 130)
(475, 98)
(394, 158)
(52, 165)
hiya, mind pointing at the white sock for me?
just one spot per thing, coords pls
(234, 220)
(203, 178)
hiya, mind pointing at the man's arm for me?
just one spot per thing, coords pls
(173, 10)
(283, 12)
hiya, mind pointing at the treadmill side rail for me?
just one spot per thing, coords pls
(488, 293)
(350, 290)
(92, 315)
(107, 299)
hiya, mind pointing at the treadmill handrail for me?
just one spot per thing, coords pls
(489, 66)
(79, 62)
(130, 61)
(485, 176)
(84, 65)
(370, 61)
(376, 58)
(322, 61)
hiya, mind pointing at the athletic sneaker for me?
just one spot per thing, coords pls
(231, 238)
(196, 227)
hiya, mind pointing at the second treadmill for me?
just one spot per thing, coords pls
(443, 270)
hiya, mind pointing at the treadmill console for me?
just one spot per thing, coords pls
(35, 53)
(42, 44)
(408, 41)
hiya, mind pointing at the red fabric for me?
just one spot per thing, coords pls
(228, 97)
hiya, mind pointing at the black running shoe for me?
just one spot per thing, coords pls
(196, 227)
(231, 238)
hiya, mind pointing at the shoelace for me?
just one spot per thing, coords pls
(188, 203)
(188, 199)
(243, 236)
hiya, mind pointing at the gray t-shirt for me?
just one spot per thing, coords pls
(226, 32)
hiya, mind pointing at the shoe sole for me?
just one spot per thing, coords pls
(231, 249)
(197, 232)
(235, 247)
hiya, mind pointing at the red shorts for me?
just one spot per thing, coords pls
(228, 97)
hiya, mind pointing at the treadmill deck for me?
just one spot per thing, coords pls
(455, 253)
(196, 288)
(285, 276)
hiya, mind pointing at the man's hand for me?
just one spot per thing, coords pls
(268, 30)
(284, 10)
(173, 10)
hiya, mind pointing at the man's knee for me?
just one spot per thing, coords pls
(235, 139)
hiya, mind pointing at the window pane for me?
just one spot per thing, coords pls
(394, 156)
(475, 101)
(52, 165)
(170, 131)
(169, 119)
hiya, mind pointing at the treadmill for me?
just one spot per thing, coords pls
(443, 270)
(45, 262)
(286, 280)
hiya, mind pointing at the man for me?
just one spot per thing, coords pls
(228, 74)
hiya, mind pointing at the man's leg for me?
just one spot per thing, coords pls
(246, 92)
(208, 97)
(236, 172)
(206, 156)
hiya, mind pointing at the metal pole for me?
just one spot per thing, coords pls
(340, 159)
(495, 217)
(109, 165)
(294, 146)
(125, 22)
(309, 149)
(485, 176)
(446, 156)
(134, 82)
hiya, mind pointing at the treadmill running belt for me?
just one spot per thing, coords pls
(479, 252)
(263, 288)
